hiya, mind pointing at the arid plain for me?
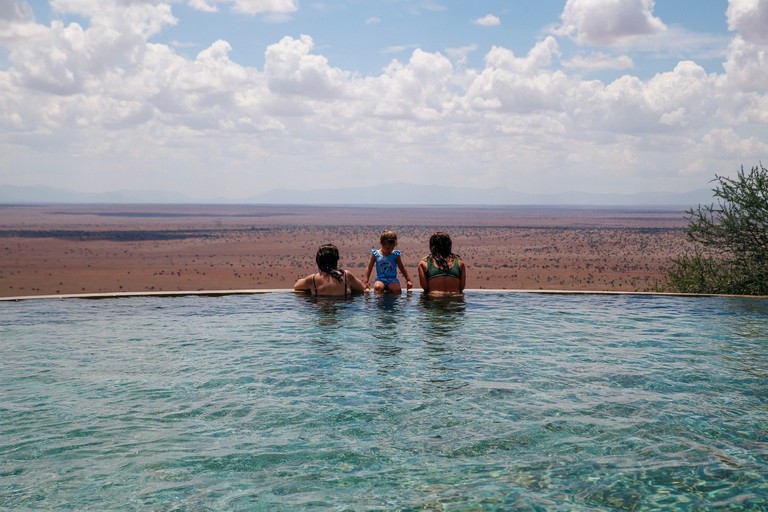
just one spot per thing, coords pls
(72, 249)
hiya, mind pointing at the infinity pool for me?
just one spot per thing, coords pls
(277, 401)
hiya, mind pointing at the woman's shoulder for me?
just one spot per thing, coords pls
(304, 283)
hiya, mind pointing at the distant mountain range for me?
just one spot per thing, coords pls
(400, 194)
(442, 195)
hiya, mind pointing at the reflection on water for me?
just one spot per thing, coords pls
(385, 314)
(752, 325)
(442, 318)
(740, 351)
(387, 330)
(327, 309)
(442, 314)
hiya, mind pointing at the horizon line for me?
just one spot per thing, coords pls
(5, 203)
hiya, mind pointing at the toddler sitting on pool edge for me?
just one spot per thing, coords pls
(387, 261)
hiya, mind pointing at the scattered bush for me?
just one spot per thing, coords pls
(730, 239)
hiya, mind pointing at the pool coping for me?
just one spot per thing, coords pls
(220, 293)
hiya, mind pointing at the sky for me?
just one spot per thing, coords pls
(228, 99)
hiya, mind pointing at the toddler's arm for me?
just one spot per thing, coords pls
(371, 263)
(408, 282)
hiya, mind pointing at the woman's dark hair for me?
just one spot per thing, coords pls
(327, 259)
(440, 246)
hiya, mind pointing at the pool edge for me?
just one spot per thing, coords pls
(219, 293)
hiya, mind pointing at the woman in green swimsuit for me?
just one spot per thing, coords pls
(442, 272)
(330, 280)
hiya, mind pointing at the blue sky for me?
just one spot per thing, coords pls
(232, 98)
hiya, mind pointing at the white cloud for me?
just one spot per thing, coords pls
(489, 20)
(114, 109)
(16, 11)
(609, 22)
(668, 107)
(598, 61)
(539, 57)
(460, 55)
(17, 22)
(720, 142)
(746, 62)
(291, 69)
(63, 59)
(265, 6)
(750, 19)
(683, 96)
(202, 5)
(135, 18)
(419, 89)
(519, 84)
(747, 65)
(391, 50)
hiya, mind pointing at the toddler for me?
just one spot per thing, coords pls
(387, 261)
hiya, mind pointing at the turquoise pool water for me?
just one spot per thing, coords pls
(279, 402)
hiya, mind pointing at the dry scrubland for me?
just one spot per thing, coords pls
(62, 249)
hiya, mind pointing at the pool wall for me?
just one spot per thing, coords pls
(215, 293)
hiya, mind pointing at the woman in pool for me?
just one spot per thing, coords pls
(330, 280)
(442, 272)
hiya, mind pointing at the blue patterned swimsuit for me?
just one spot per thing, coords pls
(386, 267)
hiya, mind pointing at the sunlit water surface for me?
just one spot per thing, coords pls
(276, 401)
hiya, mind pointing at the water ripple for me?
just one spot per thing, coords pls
(494, 401)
